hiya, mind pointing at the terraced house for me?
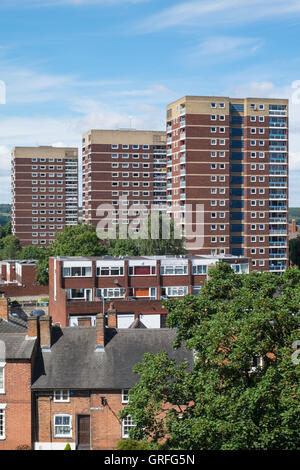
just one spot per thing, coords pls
(136, 285)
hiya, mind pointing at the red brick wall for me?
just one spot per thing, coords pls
(18, 399)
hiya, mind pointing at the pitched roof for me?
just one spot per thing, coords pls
(73, 362)
(17, 345)
(12, 325)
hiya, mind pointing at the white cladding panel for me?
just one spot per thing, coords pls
(110, 262)
(125, 320)
(140, 262)
(151, 321)
(77, 264)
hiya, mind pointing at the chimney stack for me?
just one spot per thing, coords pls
(45, 332)
(112, 316)
(100, 332)
(32, 327)
(3, 307)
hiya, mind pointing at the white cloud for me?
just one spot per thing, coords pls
(206, 13)
(223, 48)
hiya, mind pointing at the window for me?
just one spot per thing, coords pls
(173, 270)
(127, 424)
(2, 377)
(114, 292)
(125, 395)
(77, 271)
(2, 421)
(62, 395)
(62, 426)
(110, 271)
(175, 291)
(200, 269)
(213, 105)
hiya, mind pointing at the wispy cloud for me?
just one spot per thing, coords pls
(58, 3)
(222, 48)
(205, 13)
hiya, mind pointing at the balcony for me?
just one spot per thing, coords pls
(278, 136)
(182, 123)
(182, 111)
(182, 172)
(182, 159)
(278, 219)
(182, 148)
(278, 208)
(277, 148)
(277, 112)
(182, 196)
(278, 184)
(169, 129)
(182, 184)
(278, 256)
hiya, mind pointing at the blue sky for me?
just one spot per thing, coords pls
(72, 65)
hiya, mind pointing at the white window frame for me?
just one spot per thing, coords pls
(58, 396)
(3, 417)
(127, 423)
(125, 395)
(56, 425)
(2, 372)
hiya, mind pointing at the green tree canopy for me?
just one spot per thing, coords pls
(294, 251)
(9, 247)
(230, 399)
(78, 240)
(162, 242)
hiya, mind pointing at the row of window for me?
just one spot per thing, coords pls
(126, 175)
(135, 184)
(134, 193)
(134, 146)
(47, 175)
(135, 156)
(168, 270)
(50, 167)
(36, 196)
(47, 204)
(126, 165)
(50, 160)
(46, 182)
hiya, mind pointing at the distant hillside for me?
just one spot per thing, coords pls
(5, 213)
(294, 213)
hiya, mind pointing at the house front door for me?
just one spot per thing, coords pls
(83, 432)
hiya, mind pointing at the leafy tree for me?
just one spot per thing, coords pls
(32, 252)
(78, 240)
(131, 444)
(10, 247)
(229, 399)
(294, 251)
(166, 242)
